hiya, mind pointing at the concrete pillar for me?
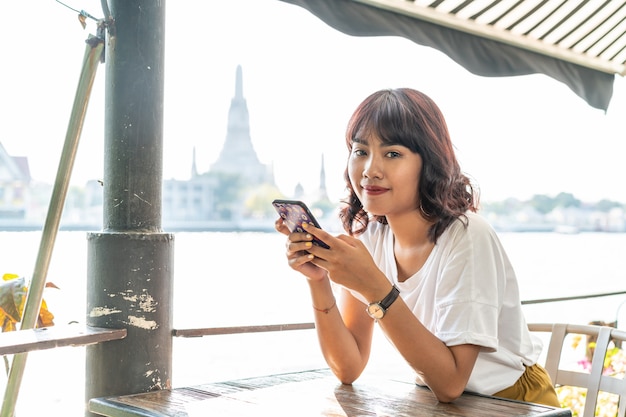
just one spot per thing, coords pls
(130, 262)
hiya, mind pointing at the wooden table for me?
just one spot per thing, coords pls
(310, 393)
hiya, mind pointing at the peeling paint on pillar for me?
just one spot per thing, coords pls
(102, 311)
(142, 323)
(123, 295)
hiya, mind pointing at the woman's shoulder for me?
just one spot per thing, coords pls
(476, 221)
(471, 224)
(472, 233)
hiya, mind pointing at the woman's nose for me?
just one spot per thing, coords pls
(372, 168)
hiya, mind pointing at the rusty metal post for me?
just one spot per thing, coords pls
(130, 263)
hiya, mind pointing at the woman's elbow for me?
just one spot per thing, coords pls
(448, 393)
(346, 375)
(346, 378)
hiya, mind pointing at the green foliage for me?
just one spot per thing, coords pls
(322, 208)
(504, 207)
(259, 201)
(607, 205)
(566, 200)
(545, 204)
(542, 203)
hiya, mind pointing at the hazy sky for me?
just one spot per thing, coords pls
(516, 136)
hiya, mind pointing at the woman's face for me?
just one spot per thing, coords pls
(384, 177)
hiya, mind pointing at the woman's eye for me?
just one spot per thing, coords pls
(359, 152)
(393, 154)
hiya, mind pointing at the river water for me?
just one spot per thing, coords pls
(261, 289)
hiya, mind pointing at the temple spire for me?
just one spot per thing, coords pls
(238, 156)
(194, 166)
(323, 178)
(239, 83)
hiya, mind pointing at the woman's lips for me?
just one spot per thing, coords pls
(373, 189)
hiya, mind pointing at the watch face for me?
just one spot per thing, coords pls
(375, 311)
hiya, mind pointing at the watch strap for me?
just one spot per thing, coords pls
(386, 302)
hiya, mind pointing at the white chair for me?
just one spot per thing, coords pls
(594, 381)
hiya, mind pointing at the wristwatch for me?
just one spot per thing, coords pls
(377, 310)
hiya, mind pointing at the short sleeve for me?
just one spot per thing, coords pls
(470, 287)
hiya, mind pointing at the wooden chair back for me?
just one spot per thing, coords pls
(594, 381)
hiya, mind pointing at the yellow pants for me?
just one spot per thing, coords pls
(534, 386)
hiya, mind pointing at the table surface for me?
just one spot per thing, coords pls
(310, 393)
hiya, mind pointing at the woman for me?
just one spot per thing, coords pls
(418, 261)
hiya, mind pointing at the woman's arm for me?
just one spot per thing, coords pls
(344, 333)
(446, 370)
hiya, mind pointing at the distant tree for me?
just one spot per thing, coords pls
(566, 200)
(606, 205)
(503, 207)
(323, 208)
(259, 201)
(542, 203)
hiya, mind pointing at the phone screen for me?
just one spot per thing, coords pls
(294, 213)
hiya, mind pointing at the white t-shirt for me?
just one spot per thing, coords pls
(466, 293)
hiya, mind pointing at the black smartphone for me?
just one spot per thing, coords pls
(294, 213)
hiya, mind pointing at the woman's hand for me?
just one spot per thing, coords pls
(348, 263)
(298, 256)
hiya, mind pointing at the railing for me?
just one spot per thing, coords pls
(77, 335)
(576, 297)
(212, 331)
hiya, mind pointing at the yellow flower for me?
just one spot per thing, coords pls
(13, 291)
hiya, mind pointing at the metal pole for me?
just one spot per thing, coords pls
(91, 60)
(130, 263)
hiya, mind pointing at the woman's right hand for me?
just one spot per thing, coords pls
(297, 256)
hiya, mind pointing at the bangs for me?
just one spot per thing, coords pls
(386, 118)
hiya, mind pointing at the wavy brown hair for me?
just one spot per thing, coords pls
(412, 119)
